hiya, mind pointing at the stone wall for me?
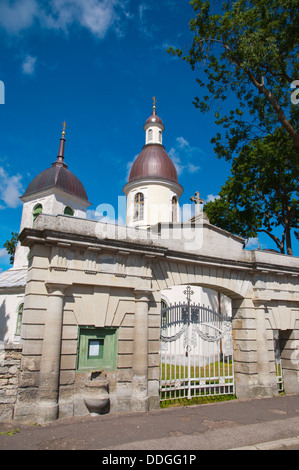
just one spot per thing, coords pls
(10, 360)
(78, 280)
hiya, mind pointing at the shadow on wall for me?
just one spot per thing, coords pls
(3, 320)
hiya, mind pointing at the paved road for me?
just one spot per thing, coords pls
(268, 423)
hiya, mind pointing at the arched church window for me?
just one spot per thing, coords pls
(160, 136)
(38, 209)
(19, 319)
(174, 209)
(150, 134)
(68, 211)
(139, 206)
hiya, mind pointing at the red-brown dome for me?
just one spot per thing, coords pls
(153, 162)
(57, 176)
(154, 119)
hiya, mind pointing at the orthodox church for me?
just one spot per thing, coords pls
(152, 193)
(98, 317)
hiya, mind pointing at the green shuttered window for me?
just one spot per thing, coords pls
(97, 349)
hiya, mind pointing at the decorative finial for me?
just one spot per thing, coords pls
(154, 105)
(64, 126)
(60, 156)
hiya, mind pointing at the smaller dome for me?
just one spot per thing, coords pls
(154, 119)
(58, 176)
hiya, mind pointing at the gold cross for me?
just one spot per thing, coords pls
(64, 126)
(154, 101)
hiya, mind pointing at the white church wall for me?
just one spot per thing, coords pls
(157, 203)
(9, 304)
(63, 200)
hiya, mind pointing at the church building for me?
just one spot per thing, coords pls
(98, 317)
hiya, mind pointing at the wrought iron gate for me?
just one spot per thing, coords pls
(196, 351)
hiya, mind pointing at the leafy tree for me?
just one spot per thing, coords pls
(247, 54)
(10, 246)
(262, 192)
(249, 48)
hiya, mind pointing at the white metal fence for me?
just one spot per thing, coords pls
(196, 352)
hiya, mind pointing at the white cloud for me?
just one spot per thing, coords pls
(183, 143)
(97, 16)
(3, 253)
(28, 66)
(19, 15)
(144, 26)
(182, 154)
(94, 15)
(4, 257)
(211, 198)
(10, 189)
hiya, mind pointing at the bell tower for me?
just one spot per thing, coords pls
(153, 189)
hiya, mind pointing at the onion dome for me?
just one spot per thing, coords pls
(154, 120)
(153, 162)
(58, 176)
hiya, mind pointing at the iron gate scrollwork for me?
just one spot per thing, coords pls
(196, 351)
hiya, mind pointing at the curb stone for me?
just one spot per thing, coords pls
(272, 445)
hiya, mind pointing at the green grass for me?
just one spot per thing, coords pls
(10, 433)
(212, 391)
(180, 372)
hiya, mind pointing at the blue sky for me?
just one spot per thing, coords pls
(97, 64)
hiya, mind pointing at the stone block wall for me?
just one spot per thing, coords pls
(10, 360)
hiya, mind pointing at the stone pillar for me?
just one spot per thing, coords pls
(139, 401)
(50, 359)
(252, 364)
(266, 381)
(289, 344)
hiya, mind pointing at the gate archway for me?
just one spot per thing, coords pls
(196, 351)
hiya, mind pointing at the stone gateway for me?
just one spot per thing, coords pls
(82, 303)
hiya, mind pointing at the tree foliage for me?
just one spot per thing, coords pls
(246, 50)
(262, 192)
(11, 245)
(245, 53)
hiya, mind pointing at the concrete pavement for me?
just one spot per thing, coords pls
(263, 423)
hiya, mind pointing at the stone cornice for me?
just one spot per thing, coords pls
(30, 236)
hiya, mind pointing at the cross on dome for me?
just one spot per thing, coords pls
(154, 102)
